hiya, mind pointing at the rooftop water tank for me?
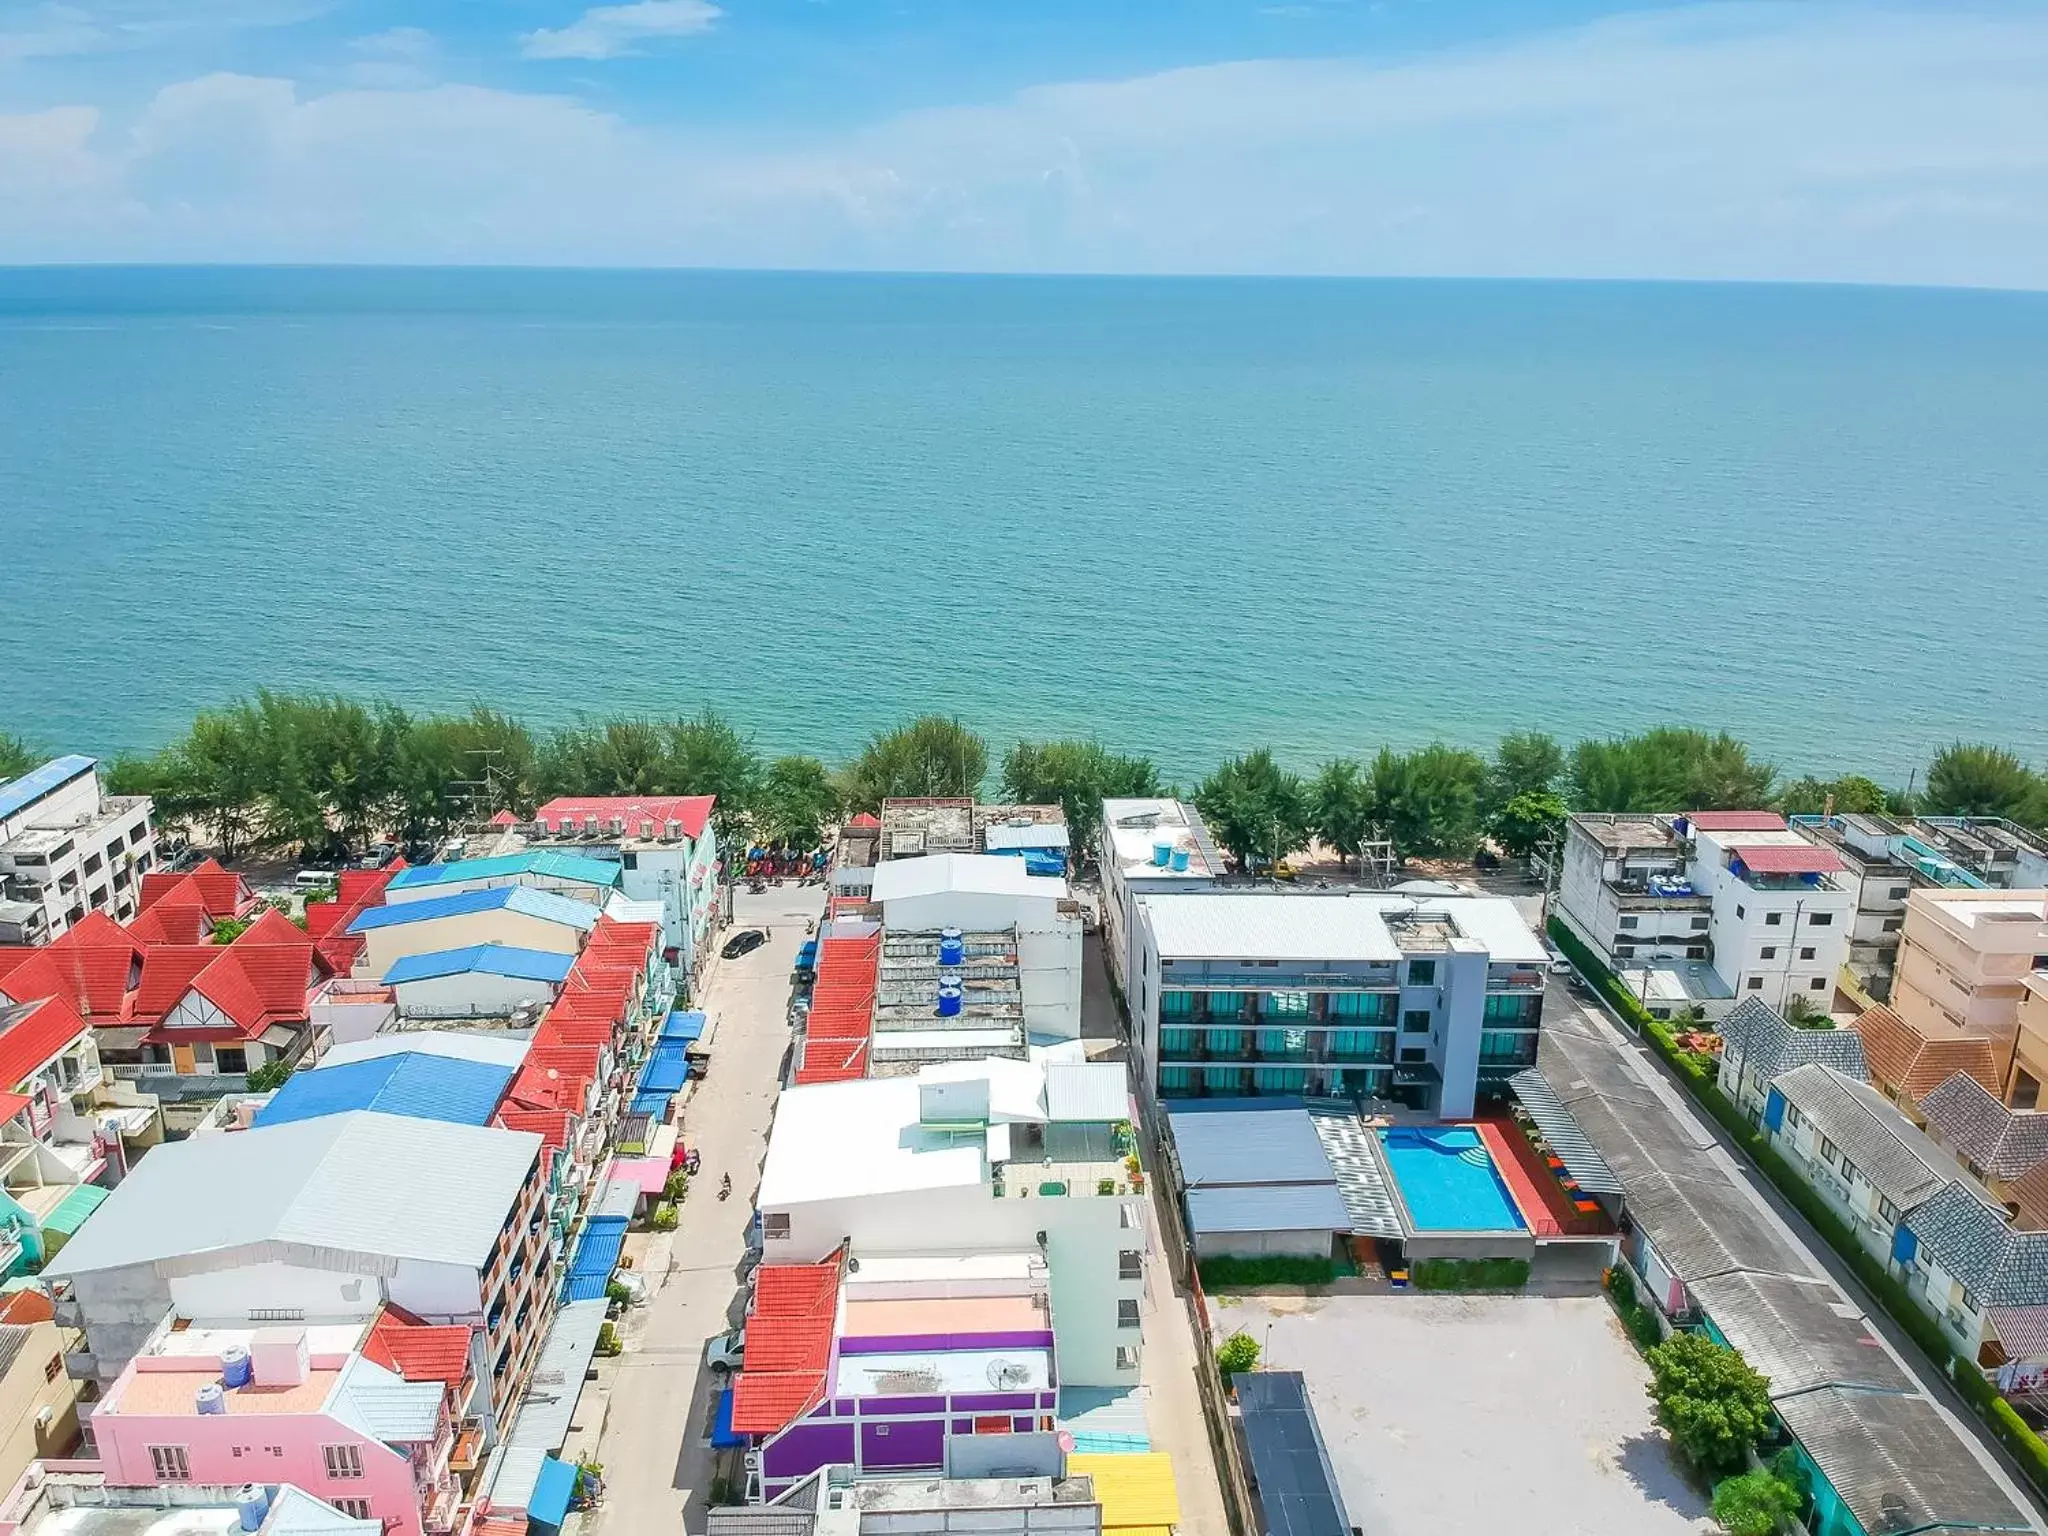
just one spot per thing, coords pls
(1162, 851)
(952, 947)
(1180, 861)
(252, 1506)
(234, 1366)
(949, 1001)
(210, 1399)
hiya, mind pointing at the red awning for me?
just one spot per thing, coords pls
(1736, 821)
(1788, 859)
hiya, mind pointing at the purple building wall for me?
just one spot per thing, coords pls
(902, 1444)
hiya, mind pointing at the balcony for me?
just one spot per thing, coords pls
(468, 1449)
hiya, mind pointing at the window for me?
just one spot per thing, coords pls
(1848, 1172)
(1284, 1005)
(231, 1058)
(170, 1464)
(1807, 952)
(342, 1461)
(1768, 952)
(54, 1369)
(1886, 1210)
(1821, 920)
(1792, 1116)
(2026, 1090)
(1126, 1358)
(1415, 1053)
(1900, 892)
(2040, 963)
(1701, 923)
(1415, 1022)
(1817, 984)
(1827, 1151)
(1127, 1218)
(355, 1509)
(1623, 951)
(775, 1224)
(1893, 924)
(629, 860)
(1127, 1313)
(1969, 1302)
(1696, 952)
(1176, 1005)
(1130, 1265)
(1771, 919)
(1631, 922)
(1740, 910)
(1754, 983)
(1421, 973)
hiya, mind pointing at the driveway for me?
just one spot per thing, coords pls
(1474, 1415)
(655, 1449)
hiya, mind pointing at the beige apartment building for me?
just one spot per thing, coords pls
(1966, 962)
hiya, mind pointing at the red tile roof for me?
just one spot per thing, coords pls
(641, 816)
(788, 1345)
(167, 973)
(225, 893)
(27, 1306)
(418, 1351)
(179, 918)
(1736, 821)
(866, 821)
(841, 1019)
(1786, 859)
(552, 1125)
(32, 1040)
(1910, 1064)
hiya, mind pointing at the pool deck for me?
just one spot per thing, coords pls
(1545, 1206)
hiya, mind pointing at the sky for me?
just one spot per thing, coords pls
(1527, 138)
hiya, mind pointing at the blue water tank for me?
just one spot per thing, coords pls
(252, 1506)
(950, 999)
(234, 1366)
(1162, 851)
(1180, 861)
(952, 947)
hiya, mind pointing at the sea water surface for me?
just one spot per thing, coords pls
(1182, 515)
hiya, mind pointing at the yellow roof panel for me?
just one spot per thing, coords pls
(1136, 1490)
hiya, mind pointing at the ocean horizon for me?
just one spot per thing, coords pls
(1183, 515)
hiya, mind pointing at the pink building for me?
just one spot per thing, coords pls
(300, 1405)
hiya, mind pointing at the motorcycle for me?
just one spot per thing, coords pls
(724, 1185)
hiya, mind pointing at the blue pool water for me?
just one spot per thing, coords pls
(1448, 1180)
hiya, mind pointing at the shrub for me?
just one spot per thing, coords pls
(1754, 1504)
(1105, 1186)
(1713, 1405)
(664, 1217)
(1228, 1273)
(269, 1077)
(677, 1186)
(1240, 1352)
(614, 1291)
(1469, 1274)
(608, 1342)
(1637, 1316)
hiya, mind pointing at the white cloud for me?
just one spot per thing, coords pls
(398, 59)
(1725, 142)
(607, 31)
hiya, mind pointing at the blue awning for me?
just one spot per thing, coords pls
(722, 1436)
(667, 1067)
(686, 1027)
(652, 1101)
(597, 1255)
(551, 1494)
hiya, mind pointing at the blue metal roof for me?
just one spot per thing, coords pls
(652, 1101)
(666, 1068)
(1269, 1208)
(1246, 1145)
(552, 1491)
(723, 1436)
(686, 1027)
(489, 959)
(547, 862)
(506, 898)
(409, 1083)
(37, 782)
(597, 1255)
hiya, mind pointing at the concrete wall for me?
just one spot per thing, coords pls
(469, 995)
(1312, 1245)
(25, 1392)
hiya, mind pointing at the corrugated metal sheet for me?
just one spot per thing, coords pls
(1039, 834)
(1268, 1145)
(1269, 1208)
(667, 1067)
(485, 959)
(504, 898)
(72, 1211)
(597, 1255)
(1896, 1464)
(1799, 1334)
(565, 1354)
(685, 1027)
(1094, 1091)
(1361, 1179)
(37, 782)
(413, 1084)
(547, 863)
(1133, 1489)
(1298, 1489)
(1567, 1140)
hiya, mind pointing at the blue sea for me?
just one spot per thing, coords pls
(1185, 516)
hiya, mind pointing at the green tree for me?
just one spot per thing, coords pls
(707, 755)
(1528, 822)
(499, 755)
(1342, 808)
(1239, 1352)
(1429, 801)
(1077, 776)
(269, 1076)
(932, 755)
(1709, 1400)
(16, 757)
(797, 798)
(1756, 1503)
(1973, 779)
(217, 778)
(1257, 810)
(1852, 794)
(1524, 763)
(1668, 769)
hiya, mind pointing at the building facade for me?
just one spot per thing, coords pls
(68, 848)
(1148, 847)
(667, 851)
(1965, 961)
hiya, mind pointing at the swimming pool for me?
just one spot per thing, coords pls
(1448, 1180)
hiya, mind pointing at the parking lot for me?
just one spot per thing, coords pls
(1472, 1415)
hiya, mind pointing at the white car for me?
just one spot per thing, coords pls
(1559, 966)
(724, 1354)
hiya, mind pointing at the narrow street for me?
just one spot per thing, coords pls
(655, 1449)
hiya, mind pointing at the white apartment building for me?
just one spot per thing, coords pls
(666, 847)
(992, 894)
(1346, 994)
(67, 848)
(1709, 909)
(975, 1158)
(1149, 847)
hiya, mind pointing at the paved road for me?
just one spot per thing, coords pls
(655, 1449)
(1765, 1195)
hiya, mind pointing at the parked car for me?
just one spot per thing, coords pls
(726, 1353)
(1559, 966)
(745, 942)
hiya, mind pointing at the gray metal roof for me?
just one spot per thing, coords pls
(1798, 1333)
(1297, 1486)
(387, 1186)
(1361, 1177)
(550, 1403)
(1769, 1044)
(1088, 1091)
(12, 1337)
(1579, 1156)
(1975, 1243)
(1896, 1463)
(1887, 1148)
(1268, 1208)
(294, 1512)
(1706, 1227)
(384, 1405)
(758, 1520)
(1268, 1145)
(1972, 1121)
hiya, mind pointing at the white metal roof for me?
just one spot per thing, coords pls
(1016, 1089)
(550, 1405)
(1134, 825)
(494, 1049)
(1031, 834)
(1087, 1091)
(384, 1405)
(981, 874)
(365, 1183)
(832, 1141)
(1313, 926)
